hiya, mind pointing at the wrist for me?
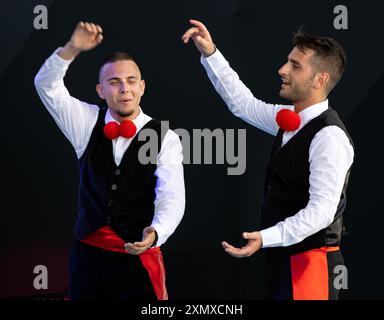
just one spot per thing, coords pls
(206, 55)
(68, 52)
(156, 239)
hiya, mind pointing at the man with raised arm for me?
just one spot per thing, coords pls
(127, 209)
(309, 167)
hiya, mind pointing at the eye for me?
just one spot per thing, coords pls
(114, 83)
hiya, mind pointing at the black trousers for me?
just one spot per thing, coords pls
(96, 273)
(279, 277)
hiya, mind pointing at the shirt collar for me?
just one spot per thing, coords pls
(312, 112)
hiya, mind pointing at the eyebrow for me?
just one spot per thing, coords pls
(294, 61)
(116, 78)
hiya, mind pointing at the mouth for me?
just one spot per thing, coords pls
(285, 83)
(124, 101)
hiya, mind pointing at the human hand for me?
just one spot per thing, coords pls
(201, 37)
(85, 37)
(149, 236)
(255, 242)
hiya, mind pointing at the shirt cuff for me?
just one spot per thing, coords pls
(154, 244)
(271, 237)
(58, 61)
(214, 61)
(160, 234)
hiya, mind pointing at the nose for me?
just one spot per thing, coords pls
(123, 87)
(283, 70)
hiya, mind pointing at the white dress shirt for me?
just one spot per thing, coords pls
(76, 119)
(330, 154)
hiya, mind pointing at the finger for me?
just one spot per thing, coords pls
(198, 23)
(199, 39)
(134, 252)
(99, 38)
(99, 29)
(88, 26)
(236, 252)
(141, 243)
(250, 235)
(185, 37)
(80, 24)
(226, 245)
(202, 29)
(193, 30)
(189, 33)
(93, 27)
(131, 248)
(232, 251)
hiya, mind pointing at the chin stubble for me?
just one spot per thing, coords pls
(124, 114)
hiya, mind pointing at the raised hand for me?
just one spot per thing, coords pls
(85, 37)
(201, 37)
(254, 244)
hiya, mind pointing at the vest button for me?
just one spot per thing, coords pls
(110, 203)
(117, 172)
(114, 186)
(109, 221)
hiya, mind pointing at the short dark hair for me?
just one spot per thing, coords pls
(116, 56)
(329, 55)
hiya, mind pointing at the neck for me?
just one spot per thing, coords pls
(120, 118)
(301, 105)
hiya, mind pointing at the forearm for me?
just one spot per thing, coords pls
(68, 52)
(75, 118)
(170, 189)
(169, 204)
(239, 99)
(306, 222)
(167, 217)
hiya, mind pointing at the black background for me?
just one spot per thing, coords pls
(39, 169)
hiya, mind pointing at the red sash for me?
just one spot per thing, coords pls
(152, 259)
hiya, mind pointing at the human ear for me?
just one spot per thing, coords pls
(99, 90)
(142, 85)
(321, 80)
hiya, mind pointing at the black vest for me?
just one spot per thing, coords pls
(286, 188)
(121, 197)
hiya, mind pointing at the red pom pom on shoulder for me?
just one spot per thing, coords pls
(288, 120)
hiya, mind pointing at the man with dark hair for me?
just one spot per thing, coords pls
(328, 55)
(127, 209)
(309, 167)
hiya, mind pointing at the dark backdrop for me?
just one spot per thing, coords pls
(39, 168)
